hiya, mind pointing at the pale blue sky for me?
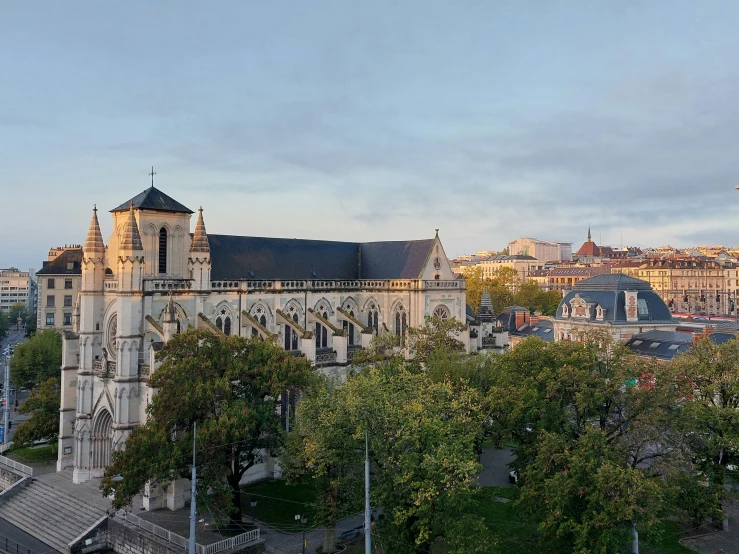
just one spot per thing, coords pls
(374, 120)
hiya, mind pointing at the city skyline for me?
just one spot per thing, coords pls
(374, 122)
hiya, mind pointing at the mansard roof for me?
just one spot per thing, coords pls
(235, 257)
(60, 264)
(153, 199)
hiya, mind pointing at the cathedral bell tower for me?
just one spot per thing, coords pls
(199, 261)
(129, 329)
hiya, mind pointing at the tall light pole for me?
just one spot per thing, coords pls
(367, 506)
(193, 511)
(6, 390)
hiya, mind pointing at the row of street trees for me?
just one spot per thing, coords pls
(506, 289)
(605, 442)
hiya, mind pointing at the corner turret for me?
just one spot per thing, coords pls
(199, 260)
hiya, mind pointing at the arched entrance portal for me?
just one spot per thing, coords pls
(101, 440)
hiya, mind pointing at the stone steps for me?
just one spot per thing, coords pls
(49, 514)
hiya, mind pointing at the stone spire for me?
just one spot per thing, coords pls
(200, 237)
(589, 239)
(94, 242)
(485, 312)
(130, 237)
(171, 313)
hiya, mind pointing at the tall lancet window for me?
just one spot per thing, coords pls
(162, 251)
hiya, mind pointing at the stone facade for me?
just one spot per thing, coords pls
(154, 279)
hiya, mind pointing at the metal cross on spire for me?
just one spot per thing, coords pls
(152, 175)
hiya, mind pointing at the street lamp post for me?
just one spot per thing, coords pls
(302, 518)
(253, 504)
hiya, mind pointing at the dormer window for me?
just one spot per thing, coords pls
(642, 308)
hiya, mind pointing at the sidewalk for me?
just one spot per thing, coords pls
(710, 540)
(277, 542)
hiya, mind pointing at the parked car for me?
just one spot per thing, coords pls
(350, 535)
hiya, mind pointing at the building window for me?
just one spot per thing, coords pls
(349, 330)
(291, 337)
(219, 323)
(227, 326)
(642, 308)
(68, 284)
(373, 319)
(67, 319)
(322, 332)
(50, 302)
(162, 251)
(401, 322)
(50, 319)
(68, 301)
(441, 312)
(50, 284)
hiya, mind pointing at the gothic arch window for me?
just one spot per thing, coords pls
(441, 312)
(373, 319)
(401, 322)
(227, 326)
(322, 331)
(291, 337)
(162, 251)
(219, 323)
(179, 326)
(349, 329)
(112, 332)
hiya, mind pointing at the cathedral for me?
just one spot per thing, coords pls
(155, 278)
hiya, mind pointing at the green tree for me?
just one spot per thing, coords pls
(4, 325)
(17, 310)
(584, 495)
(708, 378)
(43, 405)
(229, 386)
(422, 436)
(31, 327)
(323, 445)
(530, 295)
(435, 336)
(36, 360)
(566, 392)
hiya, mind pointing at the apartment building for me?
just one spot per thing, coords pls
(59, 283)
(17, 287)
(566, 278)
(693, 285)
(544, 250)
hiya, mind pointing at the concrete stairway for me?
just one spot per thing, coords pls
(49, 514)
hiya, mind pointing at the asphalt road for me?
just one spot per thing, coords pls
(14, 338)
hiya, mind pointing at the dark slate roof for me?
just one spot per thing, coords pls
(662, 347)
(612, 281)
(543, 329)
(235, 257)
(394, 259)
(153, 199)
(614, 302)
(58, 266)
(665, 345)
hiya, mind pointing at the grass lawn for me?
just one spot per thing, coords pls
(34, 454)
(279, 502)
(517, 536)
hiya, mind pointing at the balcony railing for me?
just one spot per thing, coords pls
(103, 369)
(352, 351)
(325, 357)
(488, 342)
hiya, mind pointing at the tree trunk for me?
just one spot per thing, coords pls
(329, 540)
(235, 515)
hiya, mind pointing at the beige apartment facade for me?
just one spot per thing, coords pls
(702, 287)
(59, 283)
(693, 286)
(545, 250)
(16, 287)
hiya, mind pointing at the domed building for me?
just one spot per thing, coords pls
(620, 304)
